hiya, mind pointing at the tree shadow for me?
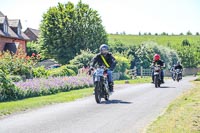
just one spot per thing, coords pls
(115, 102)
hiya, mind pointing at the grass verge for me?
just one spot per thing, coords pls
(182, 115)
(134, 81)
(7, 108)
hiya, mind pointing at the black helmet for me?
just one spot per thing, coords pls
(178, 63)
(103, 49)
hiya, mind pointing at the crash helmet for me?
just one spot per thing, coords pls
(156, 57)
(103, 49)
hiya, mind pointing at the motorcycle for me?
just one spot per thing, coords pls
(157, 75)
(178, 75)
(101, 88)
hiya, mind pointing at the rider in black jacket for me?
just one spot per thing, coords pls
(105, 58)
(158, 61)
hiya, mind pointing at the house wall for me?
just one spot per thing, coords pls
(4, 40)
(22, 44)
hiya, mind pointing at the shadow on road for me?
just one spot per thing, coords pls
(166, 87)
(115, 102)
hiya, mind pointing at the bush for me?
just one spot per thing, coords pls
(61, 71)
(40, 72)
(8, 90)
(122, 63)
(72, 67)
(82, 59)
(17, 64)
(124, 77)
(15, 78)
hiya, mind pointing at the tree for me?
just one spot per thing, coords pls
(197, 33)
(181, 34)
(67, 29)
(189, 33)
(164, 33)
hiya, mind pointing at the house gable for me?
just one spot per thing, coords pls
(15, 25)
(11, 35)
(33, 34)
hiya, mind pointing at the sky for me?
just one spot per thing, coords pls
(129, 16)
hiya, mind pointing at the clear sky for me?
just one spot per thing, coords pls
(130, 16)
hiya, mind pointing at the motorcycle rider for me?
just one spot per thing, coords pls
(158, 61)
(105, 58)
(178, 66)
(172, 70)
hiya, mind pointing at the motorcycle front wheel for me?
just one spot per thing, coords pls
(156, 81)
(97, 91)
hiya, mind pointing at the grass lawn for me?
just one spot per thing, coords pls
(7, 108)
(134, 81)
(182, 115)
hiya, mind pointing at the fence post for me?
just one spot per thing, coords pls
(141, 71)
(135, 71)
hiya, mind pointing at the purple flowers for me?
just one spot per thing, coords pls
(51, 85)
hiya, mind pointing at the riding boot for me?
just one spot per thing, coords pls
(162, 80)
(110, 85)
(152, 79)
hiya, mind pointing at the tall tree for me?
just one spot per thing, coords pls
(67, 29)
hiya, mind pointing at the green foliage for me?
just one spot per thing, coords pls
(122, 63)
(172, 48)
(83, 59)
(189, 56)
(61, 71)
(72, 67)
(67, 29)
(32, 47)
(39, 72)
(17, 64)
(185, 42)
(8, 91)
(189, 33)
(168, 55)
(15, 78)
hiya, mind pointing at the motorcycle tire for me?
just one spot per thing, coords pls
(98, 92)
(156, 81)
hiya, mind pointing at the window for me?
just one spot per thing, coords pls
(18, 30)
(5, 27)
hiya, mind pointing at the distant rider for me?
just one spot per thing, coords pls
(179, 66)
(158, 61)
(105, 58)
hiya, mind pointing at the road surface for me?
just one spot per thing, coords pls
(130, 109)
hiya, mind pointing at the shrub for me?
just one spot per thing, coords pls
(8, 90)
(40, 72)
(61, 71)
(17, 64)
(72, 67)
(15, 78)
(82, 59)
(122, 63)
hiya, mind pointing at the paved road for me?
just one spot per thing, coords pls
(130, 109)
